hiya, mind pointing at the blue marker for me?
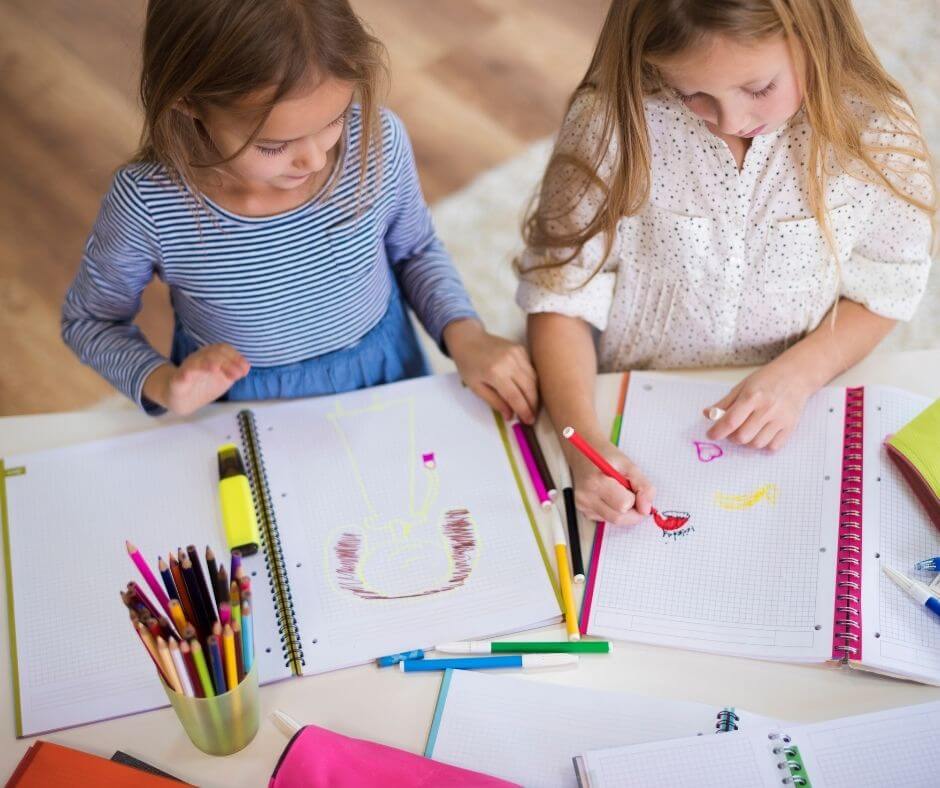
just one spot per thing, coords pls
(928, 565)
(524, 661)
(394, 659)
(916, 590)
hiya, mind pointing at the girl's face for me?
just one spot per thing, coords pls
(738, 89)
(295, 141)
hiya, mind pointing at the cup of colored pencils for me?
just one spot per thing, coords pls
(198, 628)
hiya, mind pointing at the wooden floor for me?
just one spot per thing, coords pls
(475, 81)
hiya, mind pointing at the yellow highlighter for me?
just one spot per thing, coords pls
(238, 508)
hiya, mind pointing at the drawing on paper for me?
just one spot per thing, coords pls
(673, 524)
(736, 503)
(707, 451)
(406, 544)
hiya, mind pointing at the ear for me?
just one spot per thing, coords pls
(187, 108)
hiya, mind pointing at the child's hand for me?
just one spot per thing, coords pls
(203, 377)
(763, 409)
(600, 497)
(496, 369)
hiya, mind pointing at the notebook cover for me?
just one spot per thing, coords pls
(8, 571)
(915, 449)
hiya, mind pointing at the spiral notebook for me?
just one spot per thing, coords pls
(894, 747)
(392, 518)
(769, 555)
(527, 731)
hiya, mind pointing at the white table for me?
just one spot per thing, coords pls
(393, 708)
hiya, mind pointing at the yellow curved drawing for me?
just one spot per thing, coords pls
(736, 503)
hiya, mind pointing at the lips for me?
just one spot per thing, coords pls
(755, 132)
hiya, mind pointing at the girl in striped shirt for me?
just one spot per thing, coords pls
(283, 209)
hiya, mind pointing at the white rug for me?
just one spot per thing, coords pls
(481, 223)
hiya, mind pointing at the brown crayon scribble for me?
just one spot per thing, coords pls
(457, 527)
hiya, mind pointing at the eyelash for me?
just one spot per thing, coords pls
(757, 94)
(280, 149)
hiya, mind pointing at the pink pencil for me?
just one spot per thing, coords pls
(157, 589)
(540, 491)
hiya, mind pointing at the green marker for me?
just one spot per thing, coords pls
(509, 647)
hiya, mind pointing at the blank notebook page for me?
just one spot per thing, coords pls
(751, 569)
(899, 636)
(69, 514)
(527, 730)
(401, 522)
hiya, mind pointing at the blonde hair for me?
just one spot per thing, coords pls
(839, 62)
(217, 52)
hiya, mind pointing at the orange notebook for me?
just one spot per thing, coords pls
(48, 764)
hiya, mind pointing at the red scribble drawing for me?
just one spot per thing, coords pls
(458, 531)
(670, 521)
(429, 462)
(707, 451)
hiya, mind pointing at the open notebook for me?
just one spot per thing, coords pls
(370, 545)
(527, 731)
(894, 747)
(769, 555)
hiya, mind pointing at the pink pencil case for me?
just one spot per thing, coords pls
(318, 757)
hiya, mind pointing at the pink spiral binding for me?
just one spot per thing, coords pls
(847, 631)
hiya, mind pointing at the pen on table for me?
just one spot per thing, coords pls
(571, 516)
(524, 661)
(527, 457)
(539, 457)
(916, 590)
(141, 565)
(510, 647)
(928, 565)
(285, 723)
(564, 576)
(394, 659)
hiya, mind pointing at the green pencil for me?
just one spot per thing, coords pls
(202, 669)
(509, 647)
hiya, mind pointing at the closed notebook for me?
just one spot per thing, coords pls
(774, 555)
(527, 730)
(897, 747)
(391, 519)
(915, 449)
(46, 764)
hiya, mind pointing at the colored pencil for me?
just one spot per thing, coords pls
(231, 668)
(176, 613)
(215, 659)
(185, 601)
(207, 604)
(235, 599)
(167, 661)
(236, 562)
(147, 639)
(225, 613)
(248, 635)
(244, 584)
(165, 627)
(564, 577)
(136, 592)
(223, 585)
(202, 669)
(167, 578)
(189, 578)
(571, 517)
(239, 657)
(190, 664)
(153, 626)
(151, 581)
(529, 460)
(180, 666)
(213, 570)
(550, 489)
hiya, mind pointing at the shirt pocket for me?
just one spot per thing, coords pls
(798, 257)
(680, 247)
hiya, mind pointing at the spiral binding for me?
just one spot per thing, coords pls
(727, 720)
(273, 554)
(847, 631)
(790, 760)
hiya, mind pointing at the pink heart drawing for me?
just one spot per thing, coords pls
(707, 451)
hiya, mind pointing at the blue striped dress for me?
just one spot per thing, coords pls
(313, 298)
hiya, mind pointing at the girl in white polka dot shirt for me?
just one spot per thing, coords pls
(736, 182)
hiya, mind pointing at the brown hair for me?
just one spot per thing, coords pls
(215, 52)
(839, 62)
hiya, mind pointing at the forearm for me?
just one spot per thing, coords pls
(563, 352)
(836, 346)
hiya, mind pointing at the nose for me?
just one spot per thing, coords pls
(310, 156)
(734, 121)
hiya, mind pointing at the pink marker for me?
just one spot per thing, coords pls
(157, 589)
(527, 457)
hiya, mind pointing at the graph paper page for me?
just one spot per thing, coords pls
(898, 635)
(387, 549)
(69, 514)
(528, 730)
(751, 571)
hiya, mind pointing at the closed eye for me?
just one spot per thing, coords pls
(264, 151)
(764, 91)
